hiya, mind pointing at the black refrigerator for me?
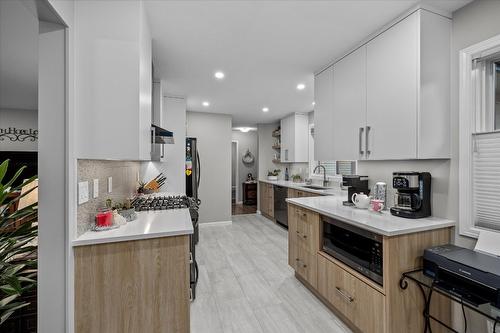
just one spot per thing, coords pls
(192, 168)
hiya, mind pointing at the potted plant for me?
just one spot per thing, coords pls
(296, 178)
(18, 263)
(273, 175)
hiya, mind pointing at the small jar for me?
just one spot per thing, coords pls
(104, 217)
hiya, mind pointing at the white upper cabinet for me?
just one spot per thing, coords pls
(349, 107)
(113, 80)
(323, 115)
(408, 97)
(391, 96)
(392, 82)
(294, 138)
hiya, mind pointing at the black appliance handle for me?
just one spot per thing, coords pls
(196, 272)
(199, 170)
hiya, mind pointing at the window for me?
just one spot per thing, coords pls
(333, 168)
(479, 160)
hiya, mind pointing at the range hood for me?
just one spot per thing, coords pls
(161, 136)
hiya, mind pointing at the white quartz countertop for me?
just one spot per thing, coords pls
(381, 223)
(151, 224)
(299, 186)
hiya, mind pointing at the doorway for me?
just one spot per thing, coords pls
(244, 172)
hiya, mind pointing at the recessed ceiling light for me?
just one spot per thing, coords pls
(265, 109)
(206, 104)
(301, 86)
(313, 103)
(219, 75)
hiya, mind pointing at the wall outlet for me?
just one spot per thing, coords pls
(83, 192)
(110, 184)
(95, 188)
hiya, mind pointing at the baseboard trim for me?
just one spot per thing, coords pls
(218, 223)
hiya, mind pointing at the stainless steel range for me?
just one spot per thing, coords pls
(163, 202)
(158, 202)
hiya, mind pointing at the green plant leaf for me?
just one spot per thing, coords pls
(7, 300)
(3, 169)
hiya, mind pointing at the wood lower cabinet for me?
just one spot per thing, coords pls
(133, 286)
(266, 199)
(294, 193)
(365, 305)
(303, 242)
(356, 300)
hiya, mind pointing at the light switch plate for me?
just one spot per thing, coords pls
(83, 192)
(95, 188)
(110, 184)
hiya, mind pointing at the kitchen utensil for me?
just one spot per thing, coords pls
(354, 184)
(379, 192)
(377, 205)
(360, 200)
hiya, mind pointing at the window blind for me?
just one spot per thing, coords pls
(346, 167)
(486, 180)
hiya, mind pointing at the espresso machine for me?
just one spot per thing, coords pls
(354, 184)
(413, 194)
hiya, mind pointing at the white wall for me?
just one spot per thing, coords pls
(266, 152)
(473, 23)
(246, 141)
(213, 132)
(173, 119)
(52, 163)
(18, 56)
(25, 120)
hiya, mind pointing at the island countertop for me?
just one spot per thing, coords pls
(151, 224)
(383, 223)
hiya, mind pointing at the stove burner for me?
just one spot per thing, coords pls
(162, 203)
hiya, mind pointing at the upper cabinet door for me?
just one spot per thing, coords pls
(323, 115)
(392, 81)
(349, 107)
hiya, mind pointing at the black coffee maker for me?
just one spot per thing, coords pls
(413, 194)
(354, 184)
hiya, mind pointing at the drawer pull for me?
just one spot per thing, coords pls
(344, 294)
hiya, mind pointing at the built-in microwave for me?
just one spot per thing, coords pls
(357, 248)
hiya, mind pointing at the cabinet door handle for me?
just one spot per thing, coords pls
(361, 151)
(368, 151)
(345, 295)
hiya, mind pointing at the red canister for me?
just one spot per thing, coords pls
(104, 218)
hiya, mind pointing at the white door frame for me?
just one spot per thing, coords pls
(237, 176)
(57, 174)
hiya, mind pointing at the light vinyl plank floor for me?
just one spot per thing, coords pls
(246, 285)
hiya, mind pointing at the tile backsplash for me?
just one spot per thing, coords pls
(124, 174)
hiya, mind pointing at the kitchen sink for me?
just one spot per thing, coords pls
(316, 187)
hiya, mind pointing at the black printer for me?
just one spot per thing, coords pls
(470, 275)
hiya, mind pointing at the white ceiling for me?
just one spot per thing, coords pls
(265, 48)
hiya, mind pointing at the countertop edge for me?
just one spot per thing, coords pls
(297, 187)
(445, 224)
(84, 242)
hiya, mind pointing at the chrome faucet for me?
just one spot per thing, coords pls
(325, 181)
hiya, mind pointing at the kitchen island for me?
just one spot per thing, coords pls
(353, 259)
(135, 278)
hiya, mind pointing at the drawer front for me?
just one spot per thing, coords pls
(360, 303)
(306, 266)
(308, 230)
